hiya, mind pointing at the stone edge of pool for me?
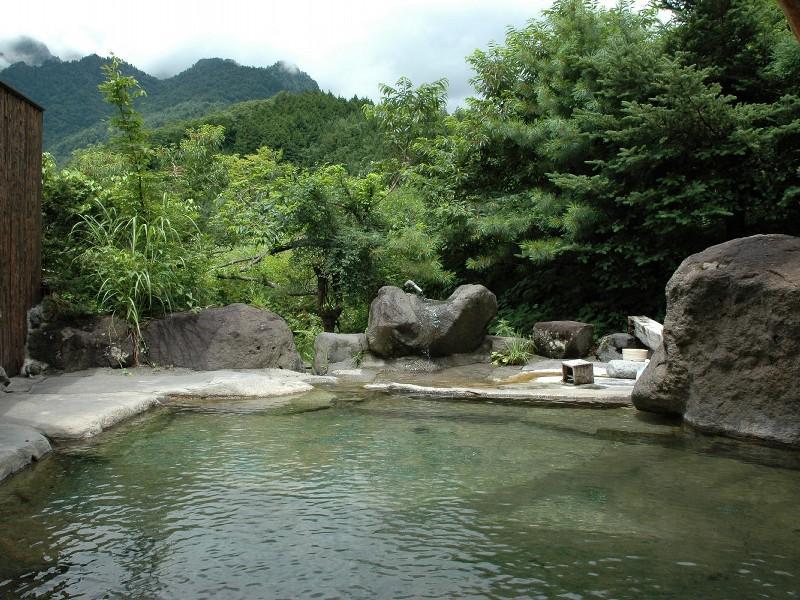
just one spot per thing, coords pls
(567, 397)
(83, 404)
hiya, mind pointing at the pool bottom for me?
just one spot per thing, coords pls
(400, 498)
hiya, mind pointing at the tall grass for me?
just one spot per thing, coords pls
(134, 264)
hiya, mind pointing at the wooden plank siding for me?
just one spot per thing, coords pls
(20, 221)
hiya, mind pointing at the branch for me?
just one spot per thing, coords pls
(254, 260)
(269, 284)
(301, 293)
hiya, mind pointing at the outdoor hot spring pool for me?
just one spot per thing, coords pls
(388, 497)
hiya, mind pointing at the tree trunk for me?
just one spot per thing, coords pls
(329, 316)
(791, 8)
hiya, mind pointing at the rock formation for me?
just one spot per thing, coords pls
(237, 336)
(79, 344)
(338, 350)
(610, 346)
(402, 324)
(562, 339)
(730, 359)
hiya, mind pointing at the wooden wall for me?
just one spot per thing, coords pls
(20, 221)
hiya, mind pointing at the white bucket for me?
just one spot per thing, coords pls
(634, 354)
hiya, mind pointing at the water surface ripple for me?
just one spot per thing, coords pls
(401, 498)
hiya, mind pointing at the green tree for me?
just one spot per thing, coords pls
(130, 138)
(406, 117)
(595, 158)
(344, 234)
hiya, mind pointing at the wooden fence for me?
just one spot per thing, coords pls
(20, 221)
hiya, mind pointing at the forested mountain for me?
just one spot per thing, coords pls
(310, 128)
(75, 110)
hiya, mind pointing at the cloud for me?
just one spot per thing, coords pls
(290, 68)
(23, 49)
(349, 47)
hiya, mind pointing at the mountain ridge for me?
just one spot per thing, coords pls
(68, 92)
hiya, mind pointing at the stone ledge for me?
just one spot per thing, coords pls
(20, 446)
(571, 397)
(82, 404)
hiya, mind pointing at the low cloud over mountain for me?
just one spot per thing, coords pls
(24, 49)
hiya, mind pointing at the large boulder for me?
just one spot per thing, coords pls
(403, 324)
(562, 339)
(729, 360)
(338, 350)
(78, 344)
(237, 336)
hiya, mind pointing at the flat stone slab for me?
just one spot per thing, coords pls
(19, 446)
(647, 331)
(588, 396)
(71, 416)
(83, 404)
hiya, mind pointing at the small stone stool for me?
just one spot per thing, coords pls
(577, 372)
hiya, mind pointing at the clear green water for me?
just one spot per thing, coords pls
(402, 498)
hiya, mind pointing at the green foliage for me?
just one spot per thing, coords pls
(600, 156)
(130, 139)
(194, 170)
(601, 149)
(407, 115)
(309, 128)
(518, 349)
(66, 196)
(136, 266)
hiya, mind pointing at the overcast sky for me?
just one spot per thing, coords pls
(348, 47)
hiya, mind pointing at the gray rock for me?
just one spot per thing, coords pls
(729, 362)
(402, 324)
(237, 336)
(647, 331)
(562, 339)
(4, 380)
(610, 347)
(624, 369)
(337, 348)
(19, 446)
(79, 344)
(33, 368)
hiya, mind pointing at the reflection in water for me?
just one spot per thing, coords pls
(399, 498)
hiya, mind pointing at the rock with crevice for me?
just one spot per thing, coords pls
(403, 324)
(729, 359)
(236, 336)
